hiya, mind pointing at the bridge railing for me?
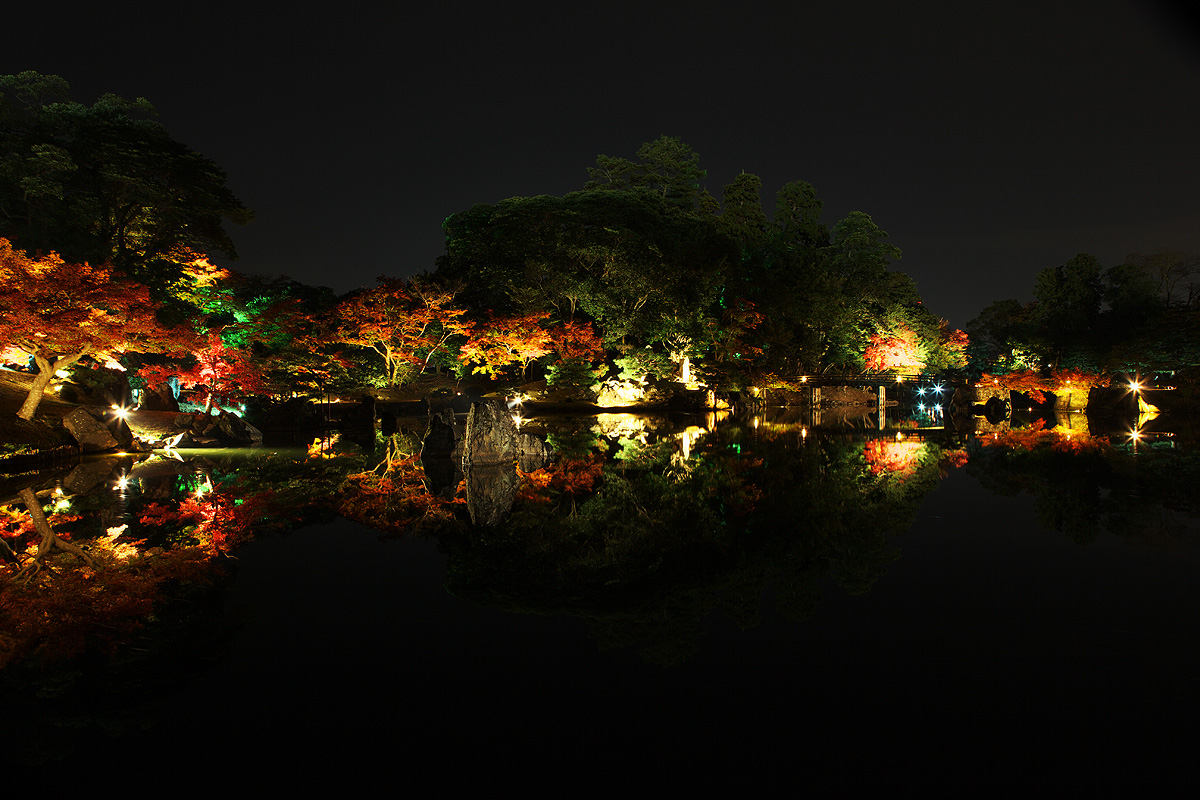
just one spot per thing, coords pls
(862, 377)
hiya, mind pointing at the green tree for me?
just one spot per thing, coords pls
(742, 213)
(798, 214)
(1068, 310)
(106, 183)
(1175, 273)
(667, 167)
(1131, 297)
(860, 251)
(1001, 340)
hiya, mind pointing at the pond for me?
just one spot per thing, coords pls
(703, 602)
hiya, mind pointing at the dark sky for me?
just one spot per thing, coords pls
(989, 142)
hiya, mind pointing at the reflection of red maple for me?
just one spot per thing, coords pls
(571, 477)
(394, 497)
(891, 456)
(954, 458)
(1036, 435)
(221, 522)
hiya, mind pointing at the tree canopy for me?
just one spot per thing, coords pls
(106, 183)
(56, 312)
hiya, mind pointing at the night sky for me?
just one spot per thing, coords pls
(989, 142)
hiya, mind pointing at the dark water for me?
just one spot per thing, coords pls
(994, 654)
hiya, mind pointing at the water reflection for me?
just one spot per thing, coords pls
(639, 525)
(729, 573)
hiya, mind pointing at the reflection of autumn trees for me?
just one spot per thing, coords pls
(92, 608)
(176, 531)
(897, 457)
(562, 483)
(653, 545)
(70, 590)
(394, 495)
(1086, 485)
(1036, 435)
(219, 522)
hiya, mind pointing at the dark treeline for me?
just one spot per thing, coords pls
(643, 272)
(666, 271)
(1141, 316)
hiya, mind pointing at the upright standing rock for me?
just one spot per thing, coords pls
(491, 436)
(439, 436)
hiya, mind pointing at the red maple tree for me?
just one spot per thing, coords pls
(1036, 384)
(517, 339)
(406, 323)
(56, 313)
(220, 374)
(575, 341)
(899, 350)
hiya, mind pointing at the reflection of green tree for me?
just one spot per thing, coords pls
(659, 545)
(573, 444)
(1083, 493)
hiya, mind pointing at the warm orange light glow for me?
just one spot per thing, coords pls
(895, 457)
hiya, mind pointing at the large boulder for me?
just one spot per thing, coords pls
(94, 432)
(232, 431)
(491, 435)
(159, 398)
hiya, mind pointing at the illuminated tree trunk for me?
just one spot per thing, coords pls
(30, 406)
(50, 540)
(45, 374)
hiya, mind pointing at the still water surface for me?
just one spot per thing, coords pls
(975, 643)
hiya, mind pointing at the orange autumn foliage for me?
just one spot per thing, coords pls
(395, 498)
(893, 457)
(406, 323)
(1037, 436)
(56, 313)
(894, 351)
(1036, 385)
(500, 341)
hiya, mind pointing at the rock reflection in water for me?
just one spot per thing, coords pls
(491, 489)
